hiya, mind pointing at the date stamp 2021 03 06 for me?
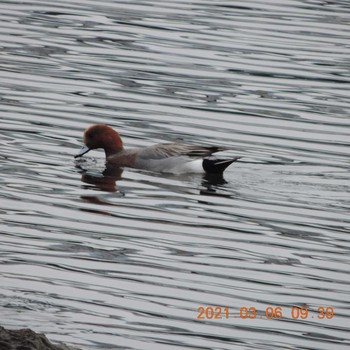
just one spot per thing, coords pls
(269, 313)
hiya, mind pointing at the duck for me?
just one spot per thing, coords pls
(173, 158)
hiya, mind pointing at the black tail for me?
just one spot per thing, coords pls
(217, 166)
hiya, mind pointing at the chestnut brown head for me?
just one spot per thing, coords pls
(101, 136)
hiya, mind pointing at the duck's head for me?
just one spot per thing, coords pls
(101, 136)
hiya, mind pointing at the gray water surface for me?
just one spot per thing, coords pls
(123, 260)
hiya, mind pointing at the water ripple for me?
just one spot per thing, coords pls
(123, 259)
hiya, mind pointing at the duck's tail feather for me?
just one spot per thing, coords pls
(217, 166)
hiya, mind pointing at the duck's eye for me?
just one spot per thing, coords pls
(90, 136)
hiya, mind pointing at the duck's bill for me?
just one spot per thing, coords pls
(82, 151)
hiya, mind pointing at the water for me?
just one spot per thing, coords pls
(125, 260)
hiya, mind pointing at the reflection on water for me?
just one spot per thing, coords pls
(110, 258)
(106, 181)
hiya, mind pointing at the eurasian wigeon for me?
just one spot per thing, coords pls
(164, 157)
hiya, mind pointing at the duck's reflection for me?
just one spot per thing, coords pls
(107, 181)
(212, 183)
(213, 179)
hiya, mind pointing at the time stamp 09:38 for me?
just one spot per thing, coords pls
(269, 313)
